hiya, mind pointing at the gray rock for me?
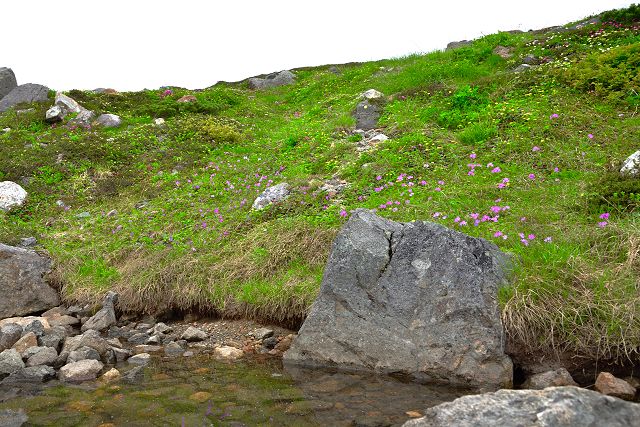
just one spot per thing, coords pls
(372, 94)
(631, 166)
(458, 44)
(140, 359)
(154, 340)
(8, 81)
(557, 378)
(13, 418)
(23, 289)
(161, 328)
(134, 376)
(551, 407)
(68, 104)
(193, 334)
(31, 374)
(53, 337)
(417, 298)
(90, 338)
(173, 349)
(10, 361)
(274, 194)
(28, 242)
(84, 119)
(261, 333)
(367, 114)
(104, 318)
(270, 343)
(109, 120)
(12, 195)
(530, 60)
(139, 338)
(24, 93)
(120, 354)
(282, 78)
(34, 326)
(64, 320)
(9, 335)
(27, 341)
(46, 356)
(83, 353)
(55, 114)
(84, 370)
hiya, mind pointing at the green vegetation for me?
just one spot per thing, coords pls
(527, 160)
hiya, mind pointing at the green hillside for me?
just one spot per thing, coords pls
(528, 160)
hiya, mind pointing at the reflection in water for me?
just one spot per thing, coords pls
(202, 391)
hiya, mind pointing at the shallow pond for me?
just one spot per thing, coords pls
(201, 391)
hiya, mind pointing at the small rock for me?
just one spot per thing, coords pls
(84, 214)
(458, 44)
(35, 326)
(84, 119)
(105, 317)
(187, 98)
(12, 195)
(261, 333)
(9, 335)
(54, 312)
(173, 349)
(68, 104)
(282, 78)
(90, 338)
(187, 354)
(26, 342)
(108, 120)
(46, 356)
(530, 60)
(274, 194)
(134, 376)
(228, 353)
(120, 354)
(84, 370)
(83, 353)
(31, 374)
(53, 337)
(13, 418)
(194, 334)
(559, 377)
(140, 359)
(159, 122)
(54, 114)
(111, 375)
(139, 338)
(631, 166)
(10, 362)
(155, 339)
(616, 387)
(65, 320)
(367, 114)
(270, 343)
(161, 328)
(372, 94)
(140, 349)
(28, 242)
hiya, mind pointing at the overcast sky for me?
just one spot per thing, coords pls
(135, 44)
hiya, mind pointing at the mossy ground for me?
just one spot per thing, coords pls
(531, 156)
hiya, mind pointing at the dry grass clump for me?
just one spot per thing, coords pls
(598, 316)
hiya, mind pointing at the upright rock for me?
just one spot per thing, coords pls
(416, 298)
(23, 288)
(272, 80)
(12, 195)
(105, 317)
(551, 407)
(368, 111)
(458, 44)
(8, 81)
(29, 92)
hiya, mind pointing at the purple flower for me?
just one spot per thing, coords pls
(604, 215)
(496, 170)
(553, 116)
(536, 148)
(590, 136)
(547, 239)
(343, 213)
(472, 155)
(602, 224)
(532, 176)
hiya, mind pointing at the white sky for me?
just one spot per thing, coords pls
(135, 44)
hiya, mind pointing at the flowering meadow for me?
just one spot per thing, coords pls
(528, 160)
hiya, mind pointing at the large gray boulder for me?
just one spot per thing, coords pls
(272, 80)
(551, 407)
(29, 92)
(108, 120)
(12, 195)
(105, 317)
(417, 298)
(23, 288)
(13, 418)
(8, 81)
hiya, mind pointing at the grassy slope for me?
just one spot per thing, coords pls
(171, 227)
